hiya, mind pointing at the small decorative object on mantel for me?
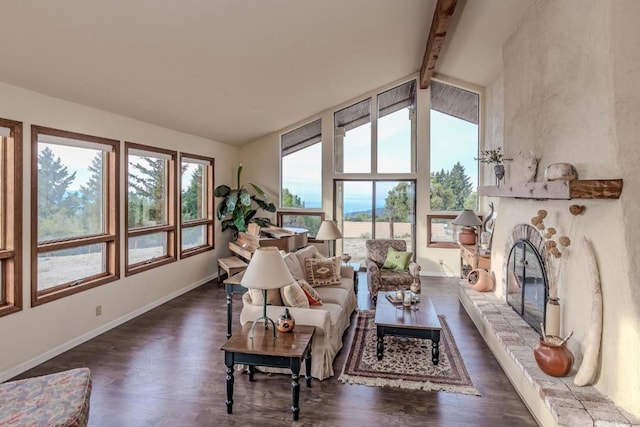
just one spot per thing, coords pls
(286, 322)
(494, 157)
(530, 166)
(560, 172)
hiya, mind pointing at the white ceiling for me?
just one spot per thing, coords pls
(233, 71)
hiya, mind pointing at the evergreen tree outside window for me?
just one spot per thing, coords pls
(151, 207)
(74, 217)
(196, 206)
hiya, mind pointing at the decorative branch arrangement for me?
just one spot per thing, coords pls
(493, 156)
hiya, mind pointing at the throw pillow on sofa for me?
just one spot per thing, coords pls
(398, 261)
(323, 272)
(293, 296)
(312, 296)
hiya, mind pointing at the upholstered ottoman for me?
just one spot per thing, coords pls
(60, 399)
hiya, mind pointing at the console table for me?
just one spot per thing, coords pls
(469, 260)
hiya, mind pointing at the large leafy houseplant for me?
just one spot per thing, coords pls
(239, 207)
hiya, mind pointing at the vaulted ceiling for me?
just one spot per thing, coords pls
(233, 71)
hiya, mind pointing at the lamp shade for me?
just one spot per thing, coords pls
(328, 231)
(266, 270)
(467, 218)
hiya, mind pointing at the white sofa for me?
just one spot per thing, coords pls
(331, 319)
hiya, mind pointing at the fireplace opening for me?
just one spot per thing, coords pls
(527, 283)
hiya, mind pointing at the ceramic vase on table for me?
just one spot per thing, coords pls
(552, 317)
(285, 322)
(553, 359)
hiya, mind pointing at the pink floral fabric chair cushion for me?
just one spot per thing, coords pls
(380, 279)
(60, 399)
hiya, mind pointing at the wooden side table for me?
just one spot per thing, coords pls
(286, 351)
(232, 286)
(231, 265)
(469, 260)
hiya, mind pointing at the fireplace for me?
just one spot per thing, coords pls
(525, 277)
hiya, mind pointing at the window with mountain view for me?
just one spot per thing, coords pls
(196, 201)
(151, 208)
(10, 216)
(75, 242)
(301, 151)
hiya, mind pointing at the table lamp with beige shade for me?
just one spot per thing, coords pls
(328, 231)
(266, 270)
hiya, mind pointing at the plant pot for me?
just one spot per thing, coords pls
(467, 236)
(554, 360)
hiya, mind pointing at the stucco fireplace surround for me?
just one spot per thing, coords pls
(552, 401)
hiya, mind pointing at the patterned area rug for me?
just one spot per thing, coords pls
(406, 362)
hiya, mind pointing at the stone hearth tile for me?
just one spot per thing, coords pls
(556, 402)
(564, 394)
(572, 417)
(591, 395)
(600, 406)
(632, 419)
(608, 419)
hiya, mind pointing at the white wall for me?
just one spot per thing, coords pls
(571, 93)
(36, 334)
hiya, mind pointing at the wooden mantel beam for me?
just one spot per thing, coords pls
(437, 33)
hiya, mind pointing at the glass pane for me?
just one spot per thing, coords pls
(454, 172)
(70, 192)
(147, 247)
(443, 231)
(395, 201)
(353, 138)
(68, 265)
(302, 178)
(308, 222)
(194, 236)
(396, 129)
(147, 191)
(194, 187)
(354, 204)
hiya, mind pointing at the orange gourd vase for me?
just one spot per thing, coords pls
(554, 360)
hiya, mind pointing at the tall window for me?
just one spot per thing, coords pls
(10, 216)
(196, 201)
(454, 144)
(74, 219)
(301, 151)
(151, 207)
(391, 148)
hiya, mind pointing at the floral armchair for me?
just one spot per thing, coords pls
(382, 279)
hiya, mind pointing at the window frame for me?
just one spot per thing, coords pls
(111, 222)
(445, 245)
(11, 218)
(208, 198)
(281, 213)
(170, 228)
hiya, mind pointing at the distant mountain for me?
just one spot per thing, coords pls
(351, 215)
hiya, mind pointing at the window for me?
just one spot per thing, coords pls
(151, 207)
(309, 221)
(454, 144)
(397, 129)
(196, 201)
(394, 145)
(352, 138)
(10, 216)
(302, 167)
(74, 219)
(374, 209)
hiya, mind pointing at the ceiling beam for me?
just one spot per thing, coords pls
(437, 33)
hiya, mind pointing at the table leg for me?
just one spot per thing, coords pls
(252, 370)
(435, 347)
(228, 361)
(307, 367)
(295, 388)
(229, 292)
(380, 346)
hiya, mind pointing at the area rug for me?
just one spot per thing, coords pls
(406, 362)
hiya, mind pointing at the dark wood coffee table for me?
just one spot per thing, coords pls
(421, 323)
(286, 351)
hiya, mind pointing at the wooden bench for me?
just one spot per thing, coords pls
(231, 265)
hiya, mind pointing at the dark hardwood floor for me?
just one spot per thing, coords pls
(165, 368)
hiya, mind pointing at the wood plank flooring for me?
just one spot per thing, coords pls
(165, 368)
